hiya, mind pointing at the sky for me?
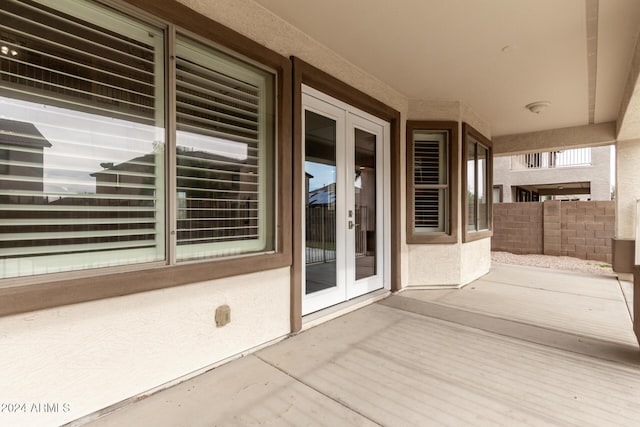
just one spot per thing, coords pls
(322, 174)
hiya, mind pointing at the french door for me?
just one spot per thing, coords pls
(343, 201)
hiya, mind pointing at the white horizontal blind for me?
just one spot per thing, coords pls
(430, 180)
(222, 177)
(81, 140)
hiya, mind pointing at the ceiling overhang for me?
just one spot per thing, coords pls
(629, 116)
(556, 139)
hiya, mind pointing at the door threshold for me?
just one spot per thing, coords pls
(330, 313)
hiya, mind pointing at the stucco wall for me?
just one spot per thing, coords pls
(598, 174)
(96, 354)
(434, 265)
(475, 260)
(627, 187)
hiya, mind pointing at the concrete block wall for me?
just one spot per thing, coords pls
(577, 229)
(552, 228)
(587, 229)
(517, 228)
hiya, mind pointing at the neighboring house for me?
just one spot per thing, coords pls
(21, 156)
(143, 242)
(574, 174)
(323, 196)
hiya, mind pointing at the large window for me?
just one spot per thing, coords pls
(431, 158)
(477, 183)
(223, 154)
(89, 175)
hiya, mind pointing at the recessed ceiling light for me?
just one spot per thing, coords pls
(538, 107)
(6, 50)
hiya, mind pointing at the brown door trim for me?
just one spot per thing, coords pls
(304, 73)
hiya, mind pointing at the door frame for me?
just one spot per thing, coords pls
(304, 73)
(349, 118)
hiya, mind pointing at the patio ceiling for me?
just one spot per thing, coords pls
(496, 55)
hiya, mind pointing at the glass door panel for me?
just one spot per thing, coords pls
(365, 222)
(365, 218)
(320, 202)
(324, 208)
(343, 203)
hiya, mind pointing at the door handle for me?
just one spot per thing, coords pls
(350, 225)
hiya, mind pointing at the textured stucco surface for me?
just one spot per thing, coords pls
(441, 265)
(627, 187)
(475, 260)
(448, 110)
(433, 110)
(434, 265)
(96, 354)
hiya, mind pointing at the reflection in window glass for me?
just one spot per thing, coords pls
(83, 163)
(471, 186)
(366, 233)
(483, 204)
(224, 141)
(477, 186)
(320, 202)
(82, 139)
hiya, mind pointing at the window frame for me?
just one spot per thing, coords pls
(30, 293)
(433, 237)
(469, 133)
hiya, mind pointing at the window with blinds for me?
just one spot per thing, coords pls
(224, 143)
(83, 164)
(81, 154)
(430, 180)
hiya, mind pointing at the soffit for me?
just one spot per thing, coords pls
(453, 50)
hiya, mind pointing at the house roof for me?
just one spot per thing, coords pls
(14, 132)
(495, 56)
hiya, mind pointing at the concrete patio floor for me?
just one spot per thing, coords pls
(520, 346)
